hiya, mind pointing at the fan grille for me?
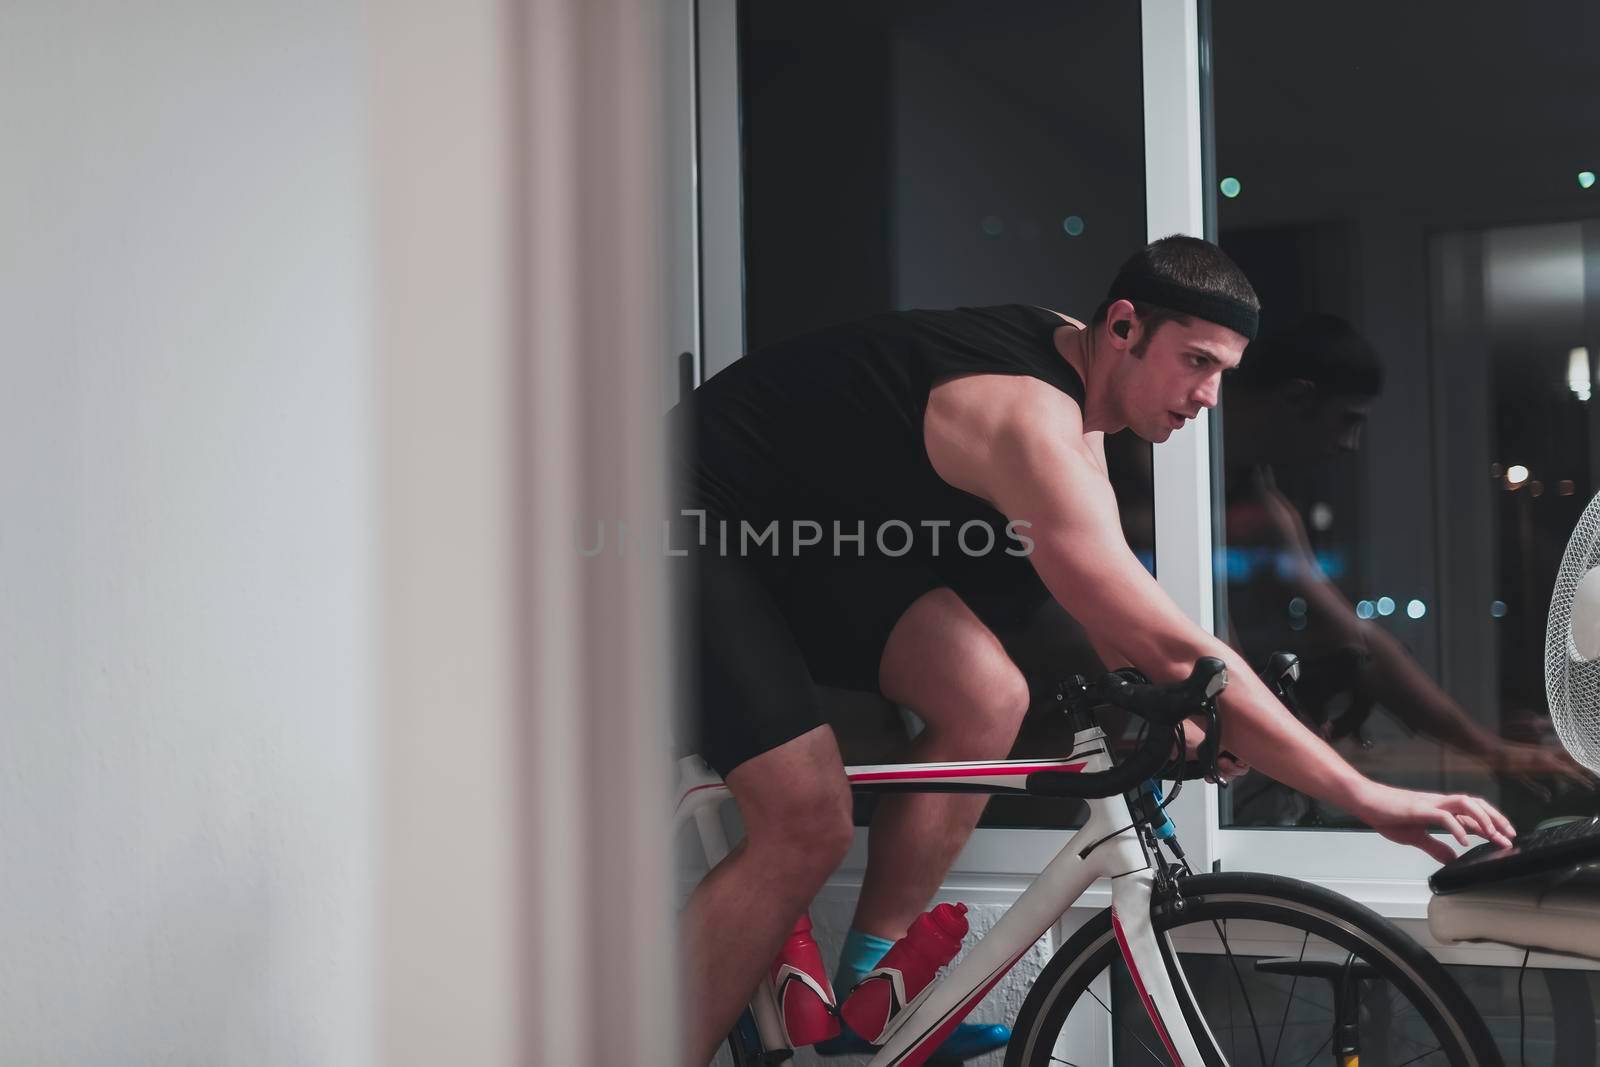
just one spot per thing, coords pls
(1573, 686)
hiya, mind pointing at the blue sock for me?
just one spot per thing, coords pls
(861, 953)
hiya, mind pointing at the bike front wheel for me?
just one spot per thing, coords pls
(1280, 971)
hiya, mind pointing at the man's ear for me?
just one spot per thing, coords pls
(1122, 319)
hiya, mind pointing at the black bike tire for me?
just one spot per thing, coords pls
(1286, 901)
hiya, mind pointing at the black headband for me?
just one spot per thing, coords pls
(1222, 310)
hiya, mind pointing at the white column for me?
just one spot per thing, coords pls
(1174, 204)
(721, 186)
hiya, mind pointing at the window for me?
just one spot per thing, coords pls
(1407, 447)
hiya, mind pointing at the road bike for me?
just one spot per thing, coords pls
(1184, 968)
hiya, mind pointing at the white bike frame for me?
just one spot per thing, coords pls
(1107, 846)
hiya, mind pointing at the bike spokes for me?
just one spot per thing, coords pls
(1276, 999)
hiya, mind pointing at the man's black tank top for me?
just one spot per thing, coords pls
(826, 428)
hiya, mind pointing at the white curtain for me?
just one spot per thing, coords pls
(525, 914)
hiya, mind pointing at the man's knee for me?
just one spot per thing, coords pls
(1003, 703)
(826, 832)
(948, 667)
(987, 701)
(991, 713)
(795, 802)
(807, 829)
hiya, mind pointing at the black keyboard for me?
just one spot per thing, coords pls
(1535, 853)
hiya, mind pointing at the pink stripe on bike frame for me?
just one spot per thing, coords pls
(929, 774)
(932, 774)
(1138, 983)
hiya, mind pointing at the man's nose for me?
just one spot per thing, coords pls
(1206, 395)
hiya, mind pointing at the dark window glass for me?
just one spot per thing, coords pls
(1407, 450)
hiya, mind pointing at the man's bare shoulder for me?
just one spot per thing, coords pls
(990, 404)
(978, 420)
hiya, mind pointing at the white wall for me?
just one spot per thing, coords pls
(186, 527)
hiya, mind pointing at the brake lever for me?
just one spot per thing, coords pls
(1280, 674)
(1206, 766)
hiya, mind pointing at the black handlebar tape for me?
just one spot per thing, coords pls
(1168, 704)
(1165, 705)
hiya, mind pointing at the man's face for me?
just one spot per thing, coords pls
(1178, 373)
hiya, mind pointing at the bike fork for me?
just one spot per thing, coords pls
(1159, 981)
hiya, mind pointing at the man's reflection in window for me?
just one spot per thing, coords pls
(1300, 399)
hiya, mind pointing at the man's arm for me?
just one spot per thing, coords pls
(1033, 466)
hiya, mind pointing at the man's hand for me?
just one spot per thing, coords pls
(1406, 817)
(1229, 766)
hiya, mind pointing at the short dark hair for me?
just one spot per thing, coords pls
(1189, 262)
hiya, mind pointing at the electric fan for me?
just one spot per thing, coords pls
(1572, 643)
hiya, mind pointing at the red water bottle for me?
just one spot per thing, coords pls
(805, 996)
(905, 970)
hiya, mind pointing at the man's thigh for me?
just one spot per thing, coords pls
(942, 660)
(852, 616)
(842, 612)
(752, 691)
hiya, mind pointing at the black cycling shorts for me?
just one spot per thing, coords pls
(768, 631)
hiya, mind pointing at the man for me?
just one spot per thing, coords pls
(927, 424)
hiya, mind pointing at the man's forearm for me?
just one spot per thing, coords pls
(1263, 733)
